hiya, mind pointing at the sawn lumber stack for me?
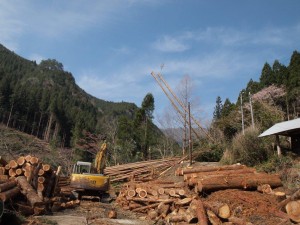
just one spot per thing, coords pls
(145, 170)
(184, 202)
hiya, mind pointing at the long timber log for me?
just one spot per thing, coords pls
(182, 171)
(4, 196)
(29, 192)
(240, 181)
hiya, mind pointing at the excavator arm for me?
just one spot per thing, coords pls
(100, 159)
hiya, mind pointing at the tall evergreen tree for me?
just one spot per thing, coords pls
(267, 76)
(218, 108)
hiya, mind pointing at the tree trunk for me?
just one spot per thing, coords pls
(40, 121)
(11, 109)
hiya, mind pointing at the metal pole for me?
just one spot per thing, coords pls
(251, 110)
(243, 128)
(190, 134)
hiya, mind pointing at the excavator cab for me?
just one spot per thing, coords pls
(86, 183)
(82, 167)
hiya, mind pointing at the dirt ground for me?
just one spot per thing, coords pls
(252, 206)
(91, 212)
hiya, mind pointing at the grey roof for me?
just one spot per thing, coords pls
(286, 128)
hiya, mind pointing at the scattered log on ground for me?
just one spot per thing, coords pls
(220, 209)
(293, 197)
(293, 210)
(238, 221)
(112, 214)
(212, 217)
(200, 211)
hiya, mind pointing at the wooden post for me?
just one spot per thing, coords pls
(190, 134)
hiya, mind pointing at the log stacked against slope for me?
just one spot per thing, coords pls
(213, 178)
(33, 179)
(145, 170)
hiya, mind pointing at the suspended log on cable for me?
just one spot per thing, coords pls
(160, 80)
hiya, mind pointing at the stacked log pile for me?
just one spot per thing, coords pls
(169, 201)
(142, 171)
(184, 202)
(31, 183)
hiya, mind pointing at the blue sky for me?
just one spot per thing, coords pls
(111, 46)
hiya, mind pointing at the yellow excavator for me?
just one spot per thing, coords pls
(87, 179)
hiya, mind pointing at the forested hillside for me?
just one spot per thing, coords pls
(43, 100)
(261, 104)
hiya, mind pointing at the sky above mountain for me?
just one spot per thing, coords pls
(112, 46)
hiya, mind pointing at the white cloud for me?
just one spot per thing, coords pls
(169, 44)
